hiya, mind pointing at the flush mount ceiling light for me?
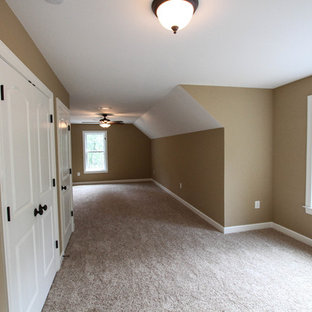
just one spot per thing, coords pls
(174, 14)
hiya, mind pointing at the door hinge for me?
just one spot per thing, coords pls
(53, 182)
(56, 244)
(68, 127)
(72, 213)
(2, 92)
(9, 214)
(31, 83)
(51, 118)
(70, 171)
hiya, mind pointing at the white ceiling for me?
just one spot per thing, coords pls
(115, 53)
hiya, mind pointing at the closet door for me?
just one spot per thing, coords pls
(43, 144)
(65, 180)
(26, 184)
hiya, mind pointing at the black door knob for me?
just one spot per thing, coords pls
(45, 207)
(63, 188)
(38, 211)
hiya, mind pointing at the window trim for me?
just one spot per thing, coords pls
(308, 193)
(84, 133)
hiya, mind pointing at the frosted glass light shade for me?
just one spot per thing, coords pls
(104, 124)
(175, 14)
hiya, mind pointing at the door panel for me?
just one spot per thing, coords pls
(67, 224)
(18, 189)
(44, 139)
(26, 270)
(65, 179)
(47, 241)
(26, 166)
(47, 249)
(21, 166)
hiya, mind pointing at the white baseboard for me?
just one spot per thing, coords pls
(212, 222)
(293, 234)
(247, 227)
(113, 181)
(238, 228)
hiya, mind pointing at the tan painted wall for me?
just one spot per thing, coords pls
(13, 34)
(129, 153)
(290, 126)
(197, 160)
(246, 115)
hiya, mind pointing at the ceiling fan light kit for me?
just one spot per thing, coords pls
(174, 14)
(106, 123)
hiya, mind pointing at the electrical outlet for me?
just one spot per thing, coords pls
(78, 174)
(257, 204)
(180, 185)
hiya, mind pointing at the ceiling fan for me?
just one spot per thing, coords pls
(106, 123)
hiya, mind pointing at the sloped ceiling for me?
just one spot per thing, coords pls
(114, 53)
(177, 113)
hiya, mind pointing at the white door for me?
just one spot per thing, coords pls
(26, 183)
(65, 177)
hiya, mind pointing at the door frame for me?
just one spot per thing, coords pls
(13, 61)
(60, 105)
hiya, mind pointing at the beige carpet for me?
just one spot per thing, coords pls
(137, 249)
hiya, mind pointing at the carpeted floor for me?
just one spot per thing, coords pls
(137, 249)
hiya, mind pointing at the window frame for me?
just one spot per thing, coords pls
(84, 135)
(308, 193)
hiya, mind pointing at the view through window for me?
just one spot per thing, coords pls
(95, 151)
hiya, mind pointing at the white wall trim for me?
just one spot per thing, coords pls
(238, 228)
(113, 181)
(212, 222)
(293, 234)
(247, 227)
(11, 59)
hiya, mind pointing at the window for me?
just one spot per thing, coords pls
(308, 200)
(95, 151)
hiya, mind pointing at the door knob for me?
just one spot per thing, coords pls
(45, 207)
(63, 188)
(38, 211)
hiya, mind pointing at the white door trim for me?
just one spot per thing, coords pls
(12, 60)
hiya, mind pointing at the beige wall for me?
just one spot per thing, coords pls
(16, 38)
(197, 161)
(246, 115)
(290, 126)
(13, 34)
(129, 153)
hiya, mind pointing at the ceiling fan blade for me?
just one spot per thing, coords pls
(118, 122)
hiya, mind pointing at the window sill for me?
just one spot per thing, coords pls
(308, 209)
(95, 172)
